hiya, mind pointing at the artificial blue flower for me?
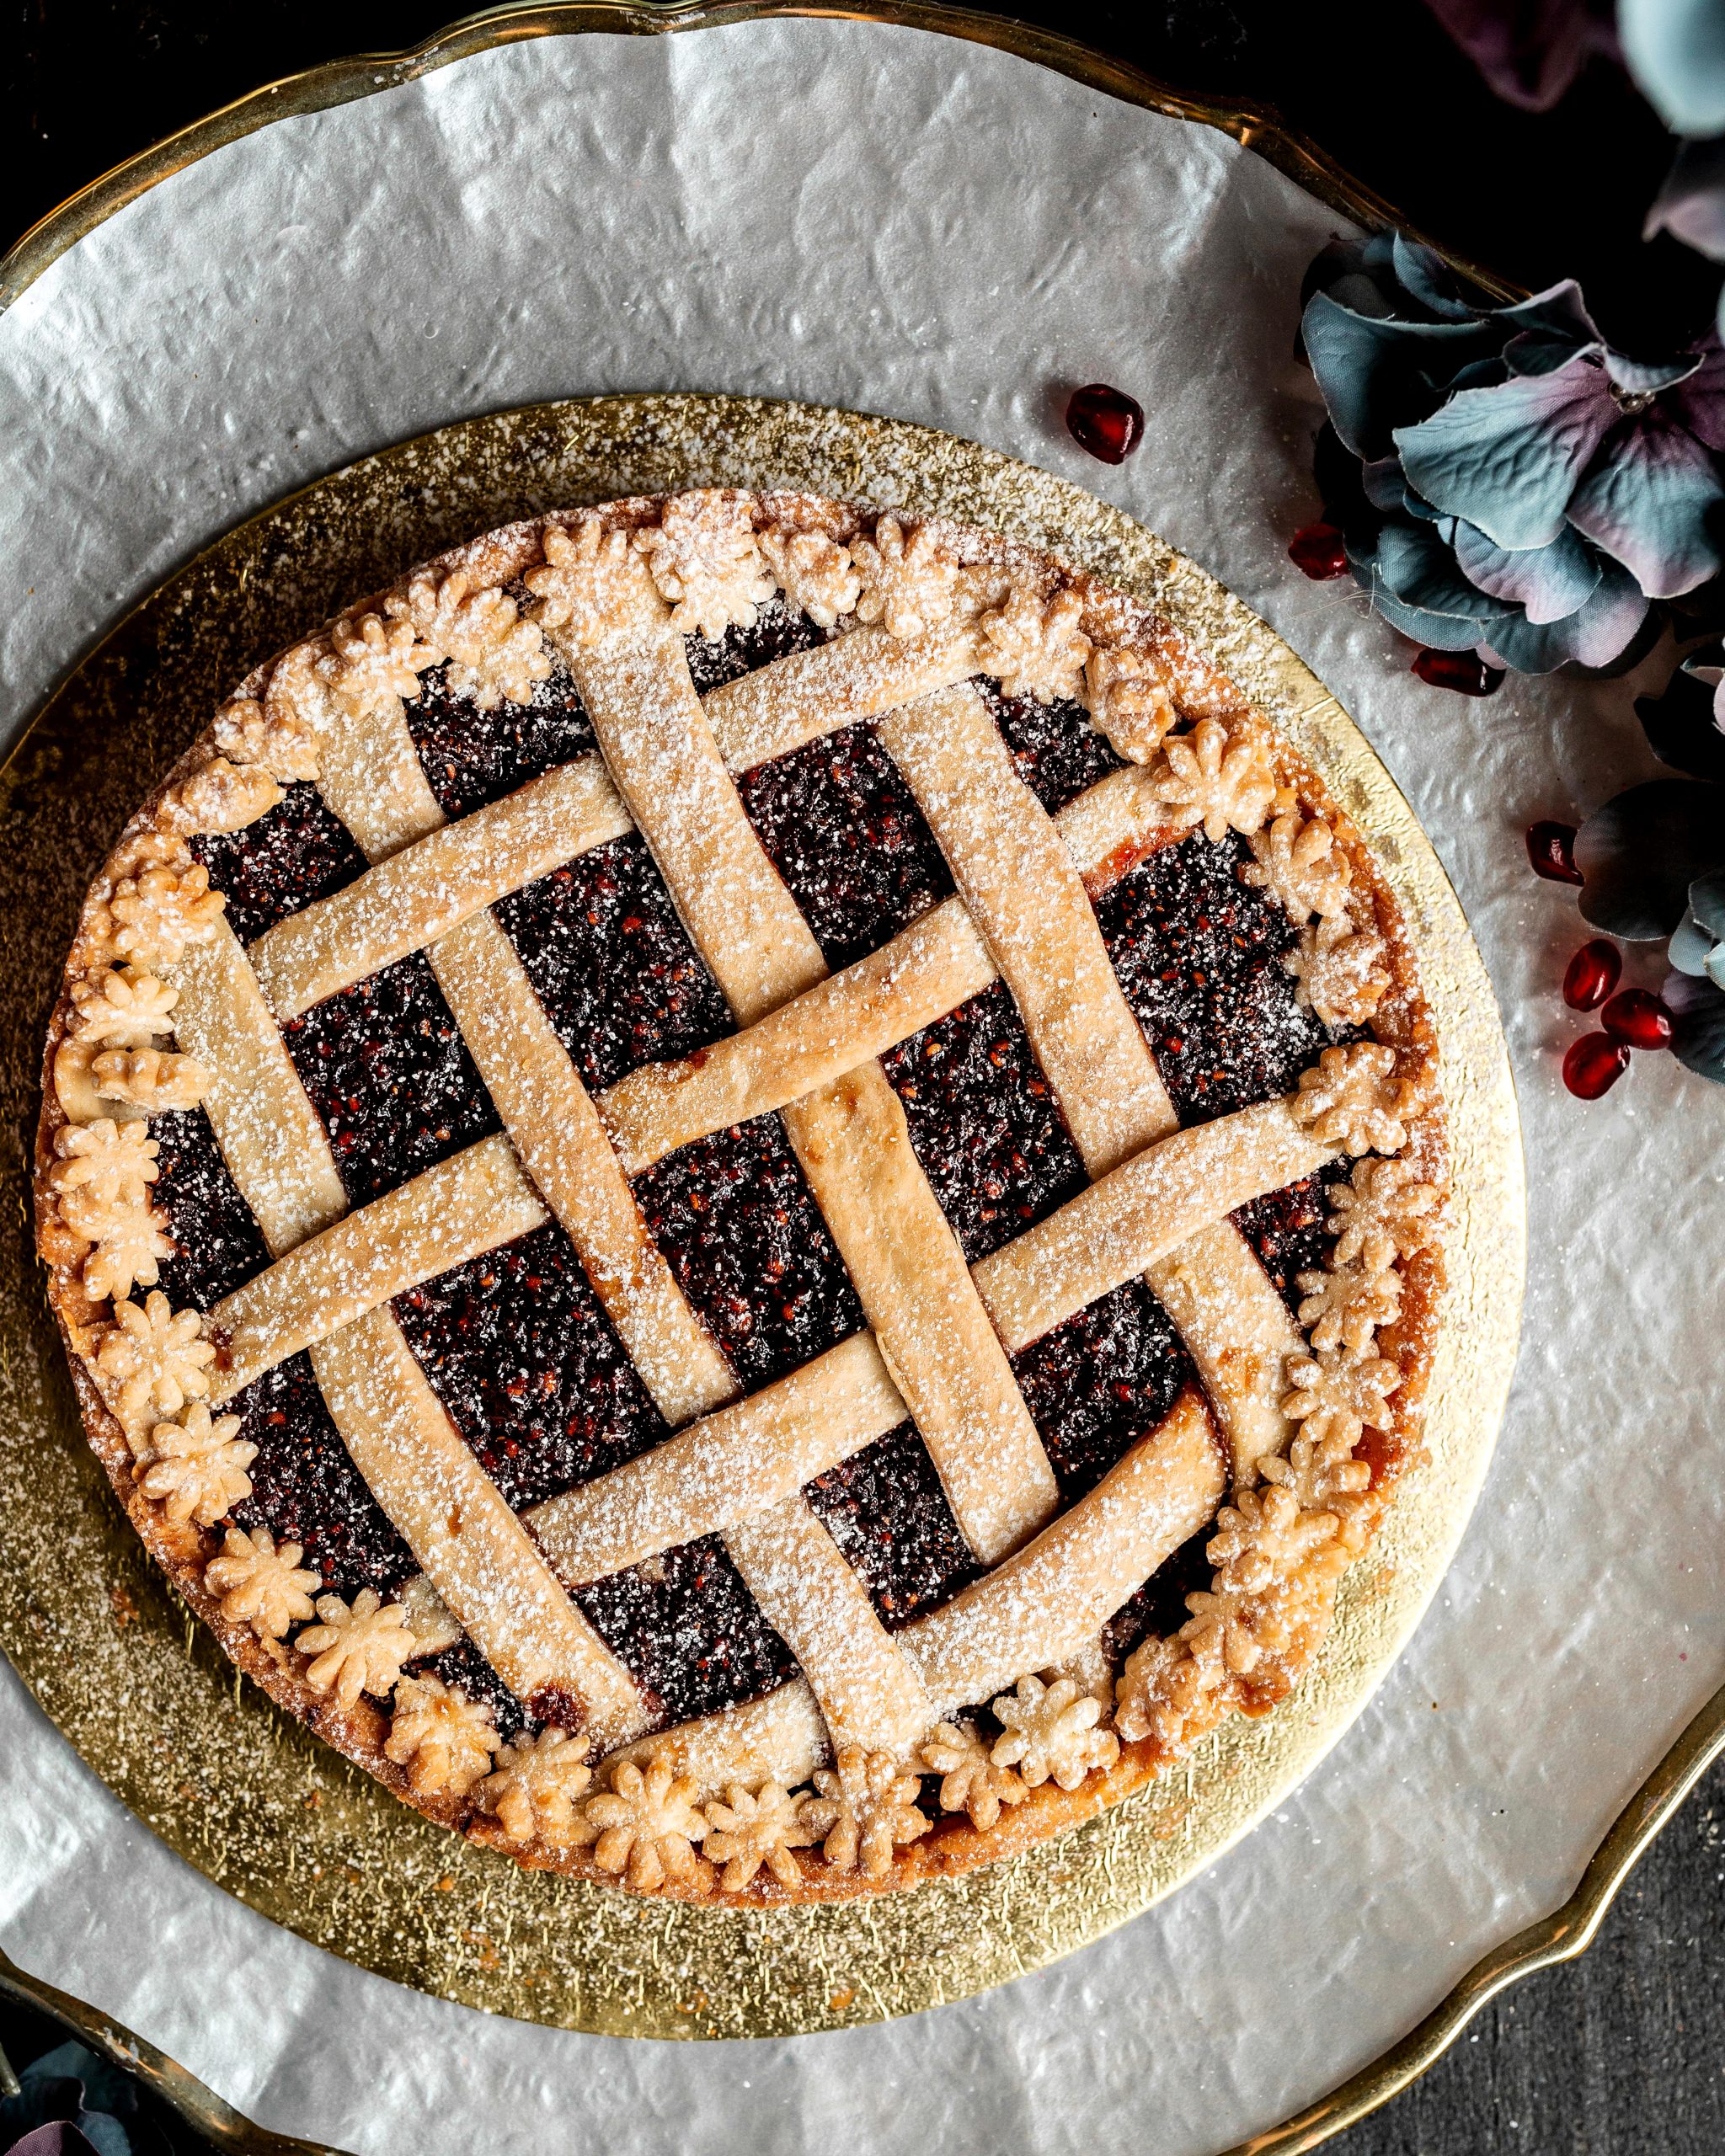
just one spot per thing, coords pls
(1524, 490)
(1675, 50)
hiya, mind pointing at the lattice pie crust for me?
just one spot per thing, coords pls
(697, 651)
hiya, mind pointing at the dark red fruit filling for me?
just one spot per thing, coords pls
(1592, 974)
(218, 1246)
(983, 1122)
(779, 629)
(888, 1512)
(305, 1489)
(688, 1631)
(1057, 753)
(1105, 421)
(1159, 1604)
(1550, 852)
(295, 854)
(843, 829)
(750, 1249)
(1639, 1017)
(472, 756)
(1287, 1230)
(1099, 1381)
(534, 1376)
(390, 1077)
(1199, 955)
(467, 1669)
(1593, 1065)
(1318, 550)
(613, 964)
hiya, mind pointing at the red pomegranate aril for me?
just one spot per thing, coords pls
(1593, 973)
(1551, 848)
(1639, 1017)
(1107, 421)
(1464, 671)
(1593, 1065)
(1317, 551)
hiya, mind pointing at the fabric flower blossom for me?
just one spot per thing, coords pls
(1522, 490)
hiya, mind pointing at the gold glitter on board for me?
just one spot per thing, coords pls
(243, 1792)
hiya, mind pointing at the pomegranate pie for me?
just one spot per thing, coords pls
(749, 1192)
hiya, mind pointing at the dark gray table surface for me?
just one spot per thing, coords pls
(1619, 2053)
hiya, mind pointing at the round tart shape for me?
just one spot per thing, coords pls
(750, 1192)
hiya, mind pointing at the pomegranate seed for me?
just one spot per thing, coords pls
(1107, 421)
(1551, 848)
(1317, 551)
(1464, 671)
(1593, 971)
(1593, 1065)
(1638, 1017)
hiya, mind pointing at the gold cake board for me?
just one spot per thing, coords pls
(250, 1797)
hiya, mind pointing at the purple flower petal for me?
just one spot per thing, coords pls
(1531, 54)
(1700, 399)
(1690, 206)
(1595, 635)
(1546, 582)
(1507, 459)
(1654, 501)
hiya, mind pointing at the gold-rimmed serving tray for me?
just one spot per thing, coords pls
(248, 1796)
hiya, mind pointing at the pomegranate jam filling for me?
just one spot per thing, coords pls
(736, 1220)
(688, 1631)
(389, 1074)
(295, 854)
(534, 1377)
(983, 1122)
(885, 1509)
(218, 1243)
(612, 963)
(1287, 1228)
(1056, 750)
(470, 756)
(1096, 1384)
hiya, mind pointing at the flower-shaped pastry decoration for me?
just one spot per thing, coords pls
(1299, 863)
(1521, 488)
(1129, 700)
(970, 1780)
(357, 1648)
(493, 655)
(152, 1078)
(1383, 1213)
(153, 914)
(910, 584)
(1323, 1476)
(1217, 776)
(222, 796)
(152, 1360)
(107, 1161)
(705, 561)
(1336, 1395)
(375, 662)
(1263, 1537)
(274, 736)
(444, 1739)
(1033, 646)
(195, 1468)
(262, 1583)
(752, 1829)
(1163, 1685)
(533, 1790)
(1355, 1097)
(1348, 1303)
(593, 584)
(646, 1824)
(814, 571)
(124, 1007)
(1051, 1733)
(864, 1807)
(1340, 971)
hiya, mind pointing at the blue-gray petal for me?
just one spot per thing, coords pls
(1442, 632)
(1507, 459)
(1421, 273)
(1690, 947)
(1593, 636)
(1640, 853)
(1385, 486)
(1372, 372)
(1419, 568)
(1652, 499)
(1546, 582)
(1698, 1041)
(1706, 894)
(1675, 50)
(1691, 204)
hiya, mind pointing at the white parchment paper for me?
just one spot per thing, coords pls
(858, 215)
